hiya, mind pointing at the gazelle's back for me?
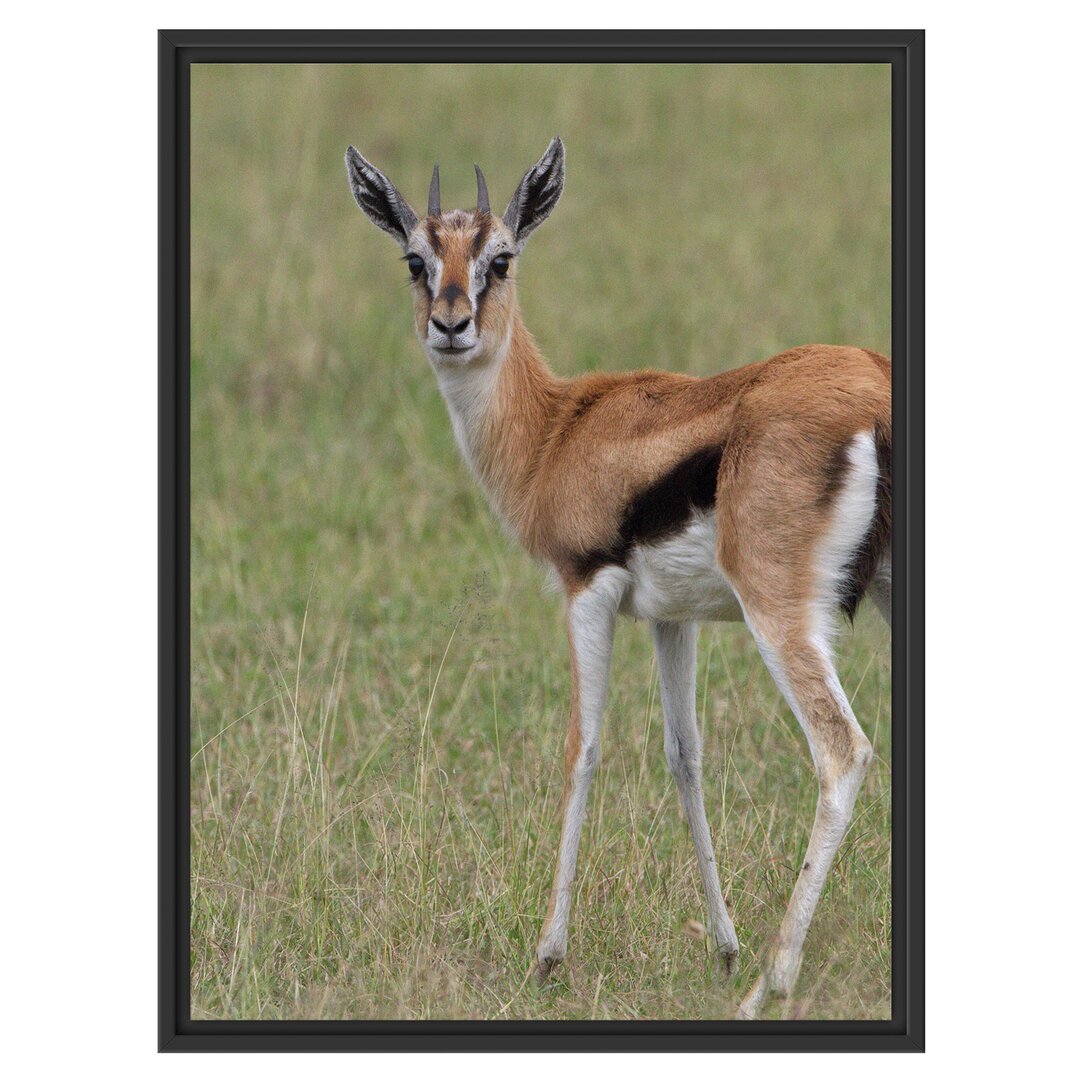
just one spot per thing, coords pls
(639, 469)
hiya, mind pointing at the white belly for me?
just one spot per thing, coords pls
(679, 579)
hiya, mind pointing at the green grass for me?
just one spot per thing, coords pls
(379, 678)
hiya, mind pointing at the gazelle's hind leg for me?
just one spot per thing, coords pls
(841, 753)
(788, 550)
(676, 654)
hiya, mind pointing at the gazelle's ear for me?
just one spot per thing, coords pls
(538, 192)
(378, 198)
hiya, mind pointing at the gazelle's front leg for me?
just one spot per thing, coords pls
(676, 655)
(591, 629)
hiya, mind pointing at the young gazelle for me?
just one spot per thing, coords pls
(761, 494)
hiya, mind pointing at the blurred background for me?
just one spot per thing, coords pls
(379, 678)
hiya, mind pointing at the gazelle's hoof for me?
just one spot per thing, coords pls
(545, 965)
(730, 963)
(726, 962)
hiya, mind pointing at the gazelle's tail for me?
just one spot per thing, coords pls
(867, 559)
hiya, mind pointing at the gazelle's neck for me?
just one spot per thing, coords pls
(502, 406)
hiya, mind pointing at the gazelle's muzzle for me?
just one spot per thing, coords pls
(451, 326)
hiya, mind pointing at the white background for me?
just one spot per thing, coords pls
(77, 424)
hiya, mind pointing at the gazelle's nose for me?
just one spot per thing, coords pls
(457, 328)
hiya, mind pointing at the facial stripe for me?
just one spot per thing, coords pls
(431, 227)
(483, 228)
(478, 302)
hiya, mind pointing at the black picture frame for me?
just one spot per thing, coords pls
(904, 51)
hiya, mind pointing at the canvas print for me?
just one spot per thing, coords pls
(541, 541)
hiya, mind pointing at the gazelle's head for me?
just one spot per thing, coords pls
(461, 262)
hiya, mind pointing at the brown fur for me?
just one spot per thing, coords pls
(563, 458)
(583, 468)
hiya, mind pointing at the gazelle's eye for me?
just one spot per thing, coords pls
(416, 265)
(500, 264)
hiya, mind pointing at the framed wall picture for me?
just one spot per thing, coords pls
(541, 540)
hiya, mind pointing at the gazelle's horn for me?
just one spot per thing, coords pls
(482, 202)
(433, 194)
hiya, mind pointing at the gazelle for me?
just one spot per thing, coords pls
(761, 494)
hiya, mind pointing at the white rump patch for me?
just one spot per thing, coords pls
(852, 516)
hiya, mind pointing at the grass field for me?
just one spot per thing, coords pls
(379, 679)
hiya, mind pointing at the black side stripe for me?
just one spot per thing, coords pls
(661, 510)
